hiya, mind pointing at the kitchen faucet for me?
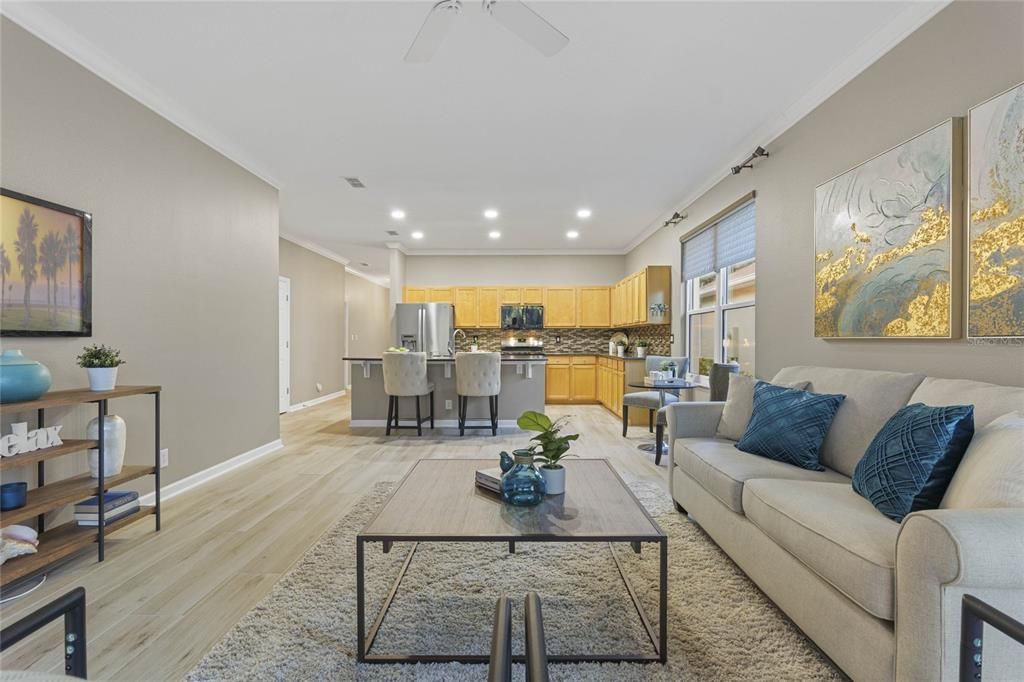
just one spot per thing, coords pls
(451, 341)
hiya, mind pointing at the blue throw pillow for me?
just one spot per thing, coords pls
(789, 425)
(911, 461)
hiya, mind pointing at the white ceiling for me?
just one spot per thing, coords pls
(648, 104)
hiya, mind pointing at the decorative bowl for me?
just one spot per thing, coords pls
(22, 379)
(12, 495)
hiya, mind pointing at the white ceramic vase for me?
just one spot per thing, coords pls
(554, 480)
(115, 434)
(102, 378)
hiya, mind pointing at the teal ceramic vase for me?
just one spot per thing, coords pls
(22, 379)
(522, 484)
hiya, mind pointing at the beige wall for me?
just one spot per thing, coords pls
(369, 317)
(184, 260)
(317, 322)
(965, 54)
(470, 270)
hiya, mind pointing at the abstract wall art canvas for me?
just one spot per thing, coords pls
(45, 268)
(995, 306)
(886, 240)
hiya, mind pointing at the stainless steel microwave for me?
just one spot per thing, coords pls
(522, 317)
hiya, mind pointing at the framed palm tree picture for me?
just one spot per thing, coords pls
(45, 268)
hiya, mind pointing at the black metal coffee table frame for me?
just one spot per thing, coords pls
(365, 639)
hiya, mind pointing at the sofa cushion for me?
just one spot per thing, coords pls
(739, 405)
(989, 400)
(789, 424)
(991, 473)
(871, 398)
(911, 461)
(833, 531)
(721, 469)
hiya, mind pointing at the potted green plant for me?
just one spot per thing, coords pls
(621, 348)
(101, 363)
(549, 447)
(641, 348)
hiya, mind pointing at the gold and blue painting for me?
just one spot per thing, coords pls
(995, 306)
(886, 236)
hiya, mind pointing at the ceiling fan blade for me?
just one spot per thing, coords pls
(528, 25)
(435, 27)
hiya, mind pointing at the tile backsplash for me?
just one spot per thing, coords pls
(582, 341)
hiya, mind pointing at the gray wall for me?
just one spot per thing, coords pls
(184, 259)
(317, 321)
(965, 54)
(369, 317)
(482, 270)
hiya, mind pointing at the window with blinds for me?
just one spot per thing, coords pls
(719, 280)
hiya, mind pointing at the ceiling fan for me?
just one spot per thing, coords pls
(512, 14)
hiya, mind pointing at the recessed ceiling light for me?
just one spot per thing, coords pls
(398, 214)
(583, 213)
(572, 234)
(494, 234)
(417, 235)
(491, 213)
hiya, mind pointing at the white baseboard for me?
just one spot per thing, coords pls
(316, 401)
(439, 423)
(200, 477)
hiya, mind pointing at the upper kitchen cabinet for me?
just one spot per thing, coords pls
(511, 295)
(466, 307)
(440, 295)
(414, 295)
(645, 297)
(533, 296)
(593, 307)
(488, 307)
(559, 306)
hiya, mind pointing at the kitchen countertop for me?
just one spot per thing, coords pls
(598, 355)
(505, 357)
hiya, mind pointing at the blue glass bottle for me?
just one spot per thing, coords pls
(521, 484)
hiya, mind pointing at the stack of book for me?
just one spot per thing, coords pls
(489, 479)
(117, 504)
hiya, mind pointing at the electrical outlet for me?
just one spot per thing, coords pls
(447, 404)
(165, 458)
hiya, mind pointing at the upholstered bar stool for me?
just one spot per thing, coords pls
(478, 375)
(651, 400)
(405, 375)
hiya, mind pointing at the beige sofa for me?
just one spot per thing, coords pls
(881, 599)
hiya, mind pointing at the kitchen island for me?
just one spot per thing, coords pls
(522, 388)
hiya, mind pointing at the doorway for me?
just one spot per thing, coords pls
(284, 352)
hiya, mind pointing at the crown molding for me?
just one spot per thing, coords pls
(379, 280)
(34, 18)
(867, 53)
(516, 252)
(315, 248)
(397, 246)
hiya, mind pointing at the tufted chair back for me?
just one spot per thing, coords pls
(478, 374)
(654, 363)
(405, 374)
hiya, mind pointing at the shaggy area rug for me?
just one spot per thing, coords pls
(721, 627)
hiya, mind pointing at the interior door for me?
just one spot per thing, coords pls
(284, 352)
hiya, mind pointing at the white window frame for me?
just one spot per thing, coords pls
(720, 308)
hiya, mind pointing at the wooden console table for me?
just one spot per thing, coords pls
(68, 538)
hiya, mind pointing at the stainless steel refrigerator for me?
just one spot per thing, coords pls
(425, 327)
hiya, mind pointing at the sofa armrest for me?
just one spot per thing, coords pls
(942, 554)
(690, 419)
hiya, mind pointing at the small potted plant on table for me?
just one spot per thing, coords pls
(101, 363)
(550, 447)
(620, 348)
(641, 348)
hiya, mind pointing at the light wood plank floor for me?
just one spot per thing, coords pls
(161, 600)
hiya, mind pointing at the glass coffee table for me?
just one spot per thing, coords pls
(662, 387)
(437, 501)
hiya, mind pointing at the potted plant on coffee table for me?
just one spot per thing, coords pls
(101, 363)
(549, 448)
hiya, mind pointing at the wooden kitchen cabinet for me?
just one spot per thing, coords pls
(533, 296)
(511, 295)
(633, 298)
(414, 295)
(488, 307)
(558, 380)
(584, 379)
(593, 306)
(560, 306)
(440, 295)
(571, 379)
(466, 307)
